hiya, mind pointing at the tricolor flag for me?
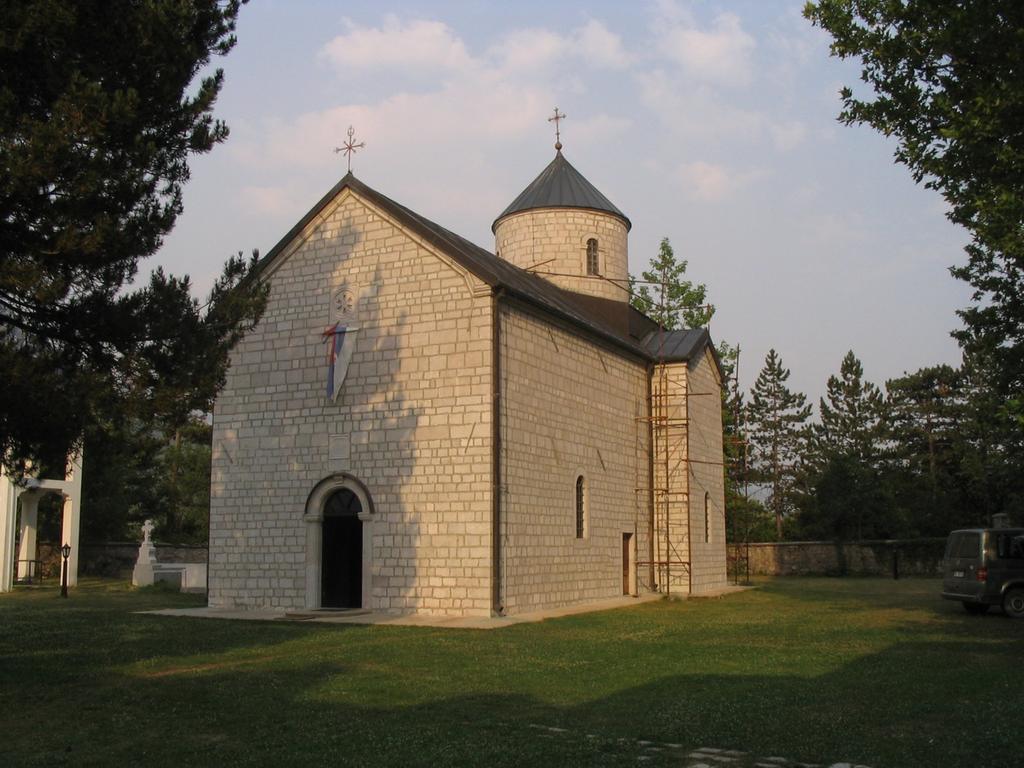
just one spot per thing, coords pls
(341, 340)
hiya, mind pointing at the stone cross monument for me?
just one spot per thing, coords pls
(142, 575)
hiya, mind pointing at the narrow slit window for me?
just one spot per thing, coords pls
(707, 517)
(580, 506)
(593, 268)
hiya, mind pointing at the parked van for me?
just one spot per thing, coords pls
(985, 567)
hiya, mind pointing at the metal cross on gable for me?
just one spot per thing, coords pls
(558, 136)
(349, 147)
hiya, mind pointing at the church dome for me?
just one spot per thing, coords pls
(561, 228)
(561, 186)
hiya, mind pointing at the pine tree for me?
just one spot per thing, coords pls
(929, 452)
(846, 496)
(672, 301)
(851, 415)
(776, 424)
(100, 111)
(924, 409)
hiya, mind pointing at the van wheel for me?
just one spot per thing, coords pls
(976, 609)
(1013, 603)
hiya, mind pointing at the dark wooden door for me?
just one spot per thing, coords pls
(342, 574)
(627, 547)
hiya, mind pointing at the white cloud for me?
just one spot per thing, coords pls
(697, 113)
(787, 135)
(720, 54)
(410, 47)
(506, 91)
(712, 183)
(527, 50)
(598, 45)
(406, 46)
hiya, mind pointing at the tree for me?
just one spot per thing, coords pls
(990, 442)
(99, 115)
(733, 429)
(776, 425)
(147, 453)
(851, 415)
(848, 500)
(922, 457)
(947, 84)
(924, 411)
(674, 301)
(668, 298)
(843, 491)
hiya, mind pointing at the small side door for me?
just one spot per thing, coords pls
(627, 551)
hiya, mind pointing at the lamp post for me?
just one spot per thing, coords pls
(66, 552)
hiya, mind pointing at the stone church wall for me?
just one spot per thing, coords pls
(555, 240)
(412, 423)
(706, 476)
(569, 407)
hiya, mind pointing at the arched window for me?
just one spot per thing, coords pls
(580, 506)
(707, 517)
(593, 268)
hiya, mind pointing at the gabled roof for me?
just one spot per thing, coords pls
(576, 309)
(561, 186)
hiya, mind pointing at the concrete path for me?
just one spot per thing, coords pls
(419, 620)
(660, 753)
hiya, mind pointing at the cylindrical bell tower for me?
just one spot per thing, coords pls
(563, 229)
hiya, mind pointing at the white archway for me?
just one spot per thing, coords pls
(29, 491)
(313, 516)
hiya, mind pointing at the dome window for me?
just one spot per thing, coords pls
(593, 266)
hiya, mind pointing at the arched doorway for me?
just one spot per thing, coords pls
(338, 518)
(341, 557)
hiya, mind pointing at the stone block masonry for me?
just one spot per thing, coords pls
(412, 422)
(485, 448)
(554, 242)
(570, 407)
(914, 557)
(689, 480)
(706, 479)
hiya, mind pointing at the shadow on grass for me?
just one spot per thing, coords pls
(919, 598)
(304, 716)
(168, 691)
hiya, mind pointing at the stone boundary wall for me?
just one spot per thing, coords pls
(915, 557)
(116, 559)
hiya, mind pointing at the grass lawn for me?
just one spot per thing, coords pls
(819, 670)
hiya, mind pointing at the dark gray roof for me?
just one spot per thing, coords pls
(594, 318)
(561, 186)
(679, 345)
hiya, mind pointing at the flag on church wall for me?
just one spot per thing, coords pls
(341, 342)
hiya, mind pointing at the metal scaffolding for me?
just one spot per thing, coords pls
(668, 561)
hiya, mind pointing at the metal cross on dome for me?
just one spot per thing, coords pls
(350, 146)
(558, 136)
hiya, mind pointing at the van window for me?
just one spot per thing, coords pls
(952, 544)
(970, 545)
(1010, 546)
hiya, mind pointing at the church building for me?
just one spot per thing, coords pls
(419, 425)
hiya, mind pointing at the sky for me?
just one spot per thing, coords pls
(710, 123)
